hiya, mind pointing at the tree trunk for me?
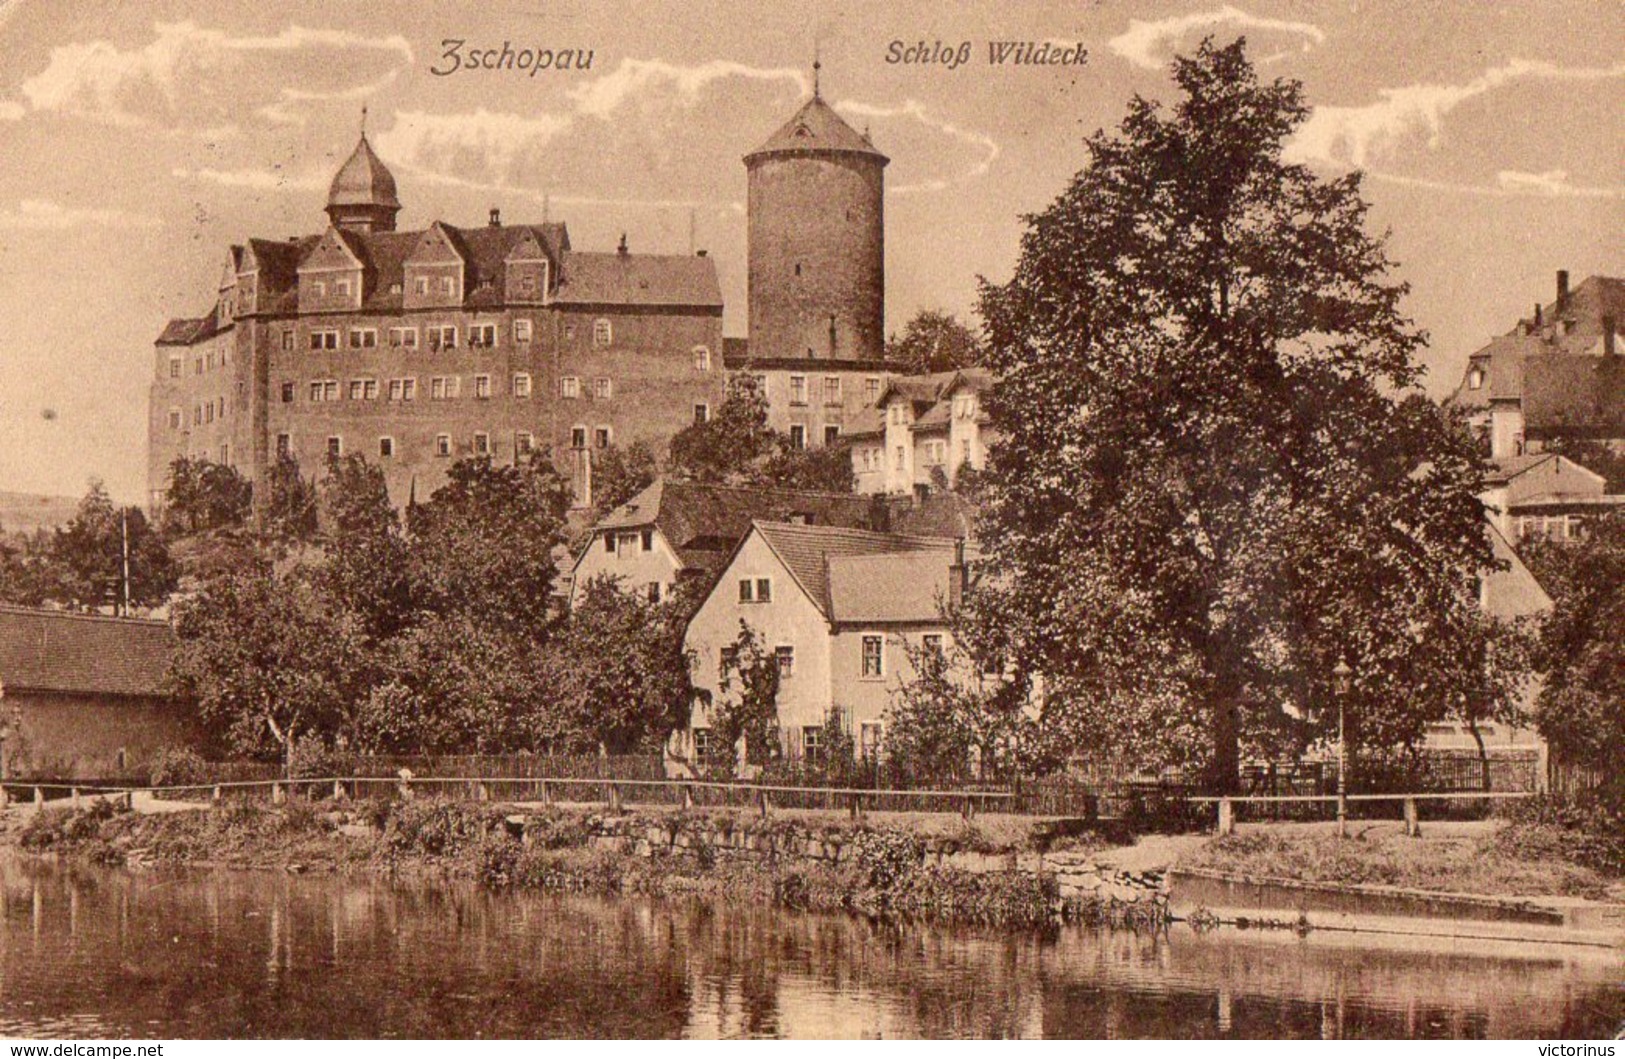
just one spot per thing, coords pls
(1483, 754)
(1224, 770)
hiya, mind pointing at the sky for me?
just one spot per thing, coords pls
(142, 139)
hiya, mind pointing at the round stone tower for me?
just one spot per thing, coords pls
(816, 233)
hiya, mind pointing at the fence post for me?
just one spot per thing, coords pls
(688, 796)
(969, 811)
(278, 796)
(547, 794)
(216, 797)
(338, 790)
(5, 799)
(484, 793)
(614, 797)
(74, 799)
(1227, 817)
(855, 806)
(39, 796)
(763, 801)
(1413, 826)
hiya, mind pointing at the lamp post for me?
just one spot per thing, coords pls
(1342, 681)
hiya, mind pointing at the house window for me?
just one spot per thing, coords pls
(1475, 379)
(521, 332)
(578, 437)
(652, 590)
(832, 390)
(869, 737)
(785, 657)
(601, 437)
(363, 338)
(197, 366)
(174, 419)
(284, 446)
(569, 387)
(702, 744)
(335, 447)
(603, 388)
(727, 658)
(445, 387)
(902, 457)
(386, 448)
(403, 389)
(210, 360)
(482, 386)
(403, 337)
(174, 367)
(208, 412)
(764, 590)
(482, 336)
(832, 436)
(324, 340)
(287, 340)
(702, 413)
(318, 288)
(702, 359)
(798, 436)
(442, 444)
(603, 333)
(341, 288)
(523, 444)
(443, 337)
(648, 540)
(609, 544)
(932, 642)
(874, 660)
(324, 390)
(448, 286)
(747, 590)
(482, 444)
(935, 451)
(871, 389)
(521, 384)
(798, 389)
(812, 744)
(625, 544)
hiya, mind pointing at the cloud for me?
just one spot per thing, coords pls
(635, 77)
(1508, 184)
(42, 215)
(984, 146)
(486, 141)
(255, 179)
(1147, 44)
(103, 82)
(292, 105)
(1359, 134)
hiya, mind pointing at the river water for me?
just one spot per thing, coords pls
(90, 952)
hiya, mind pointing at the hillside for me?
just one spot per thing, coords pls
(27, 512)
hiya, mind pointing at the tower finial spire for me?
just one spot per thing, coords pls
(363, 121)
(817, 66)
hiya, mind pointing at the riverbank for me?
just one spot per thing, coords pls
(1006, 872)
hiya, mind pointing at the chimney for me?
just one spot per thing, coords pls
(1609, 347)
(622, 250)
(699, 253)
(496, 217)
(1562, 291)
(1539, 321)
(956, 576)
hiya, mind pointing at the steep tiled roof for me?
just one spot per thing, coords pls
(869, 422)
(1576, 332)
(363, 180)
(807, 551)
(910, 586)
(1509, 467)
(936, 515)
(43, 650)
(639, 279)
(1582, 394)
(1513, 592)
(816, 127)
(186, 332)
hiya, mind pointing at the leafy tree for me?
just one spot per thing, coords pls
(828, 469)
(90, 555)
(623, 679)
(1217, 476)
(290, 508)
(934, 341)
(365, 571)
(28, 571)
(1595, 456)
(748, 706)
(268, 659)
(1581, 708)
(726, 447)
(620, 474)
(483, 543)
(204, 496)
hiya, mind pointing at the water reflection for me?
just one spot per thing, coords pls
(90, 952)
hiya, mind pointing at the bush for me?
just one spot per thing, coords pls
(434, 828)
(312, 759)
(1588, 830)
(179, 766)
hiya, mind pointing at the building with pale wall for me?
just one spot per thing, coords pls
(922, 425)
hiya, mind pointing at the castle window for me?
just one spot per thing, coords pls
(442, 444)
(324, 340)
(523, 444)
(284, 446)
(521, 332)
(363, 338)
(448, 286)
(482, 386)
(444, 387)
(578, 437)
(210, 360)
(521, 384)
(324, 390)
(569, 387)
(482, 336)
(421, 285)
(356, 389)
(603, 388)
(386, 448)
(341, 288)
(602, 437)
(403, 337)
(871, 389)
(832, 390)
(369, 389)
(335, 447)
(482, 444)
(443, 337)
(197, 366)
(174, 419)
(832, 435)
(603, 333)
(798, 436)
(287, 340)
(702, 359)
(403, 389)
(287, 393)
(319, 288)
(702, 413)
(174, 367)
(798, 389)
(208, 412)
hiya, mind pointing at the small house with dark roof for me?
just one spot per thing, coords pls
(84, 695)
(1544, 496)
(414, 347)
(1558, 374)
(841, 610)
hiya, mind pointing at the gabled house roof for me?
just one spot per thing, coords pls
(1512, 592)
(82, 654)
(900, 587)
(807, 551)
(1574, 393)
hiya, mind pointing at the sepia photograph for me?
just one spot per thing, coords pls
(802, 520)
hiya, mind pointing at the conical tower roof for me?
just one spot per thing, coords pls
(363, 180)
(817, 128)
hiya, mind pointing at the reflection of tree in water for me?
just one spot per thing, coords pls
(241, 955)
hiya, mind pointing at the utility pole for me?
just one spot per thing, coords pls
(124, 547)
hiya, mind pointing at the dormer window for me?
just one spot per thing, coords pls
(341, 288)
(421, 285)
(1475, 379)
(319, 288)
